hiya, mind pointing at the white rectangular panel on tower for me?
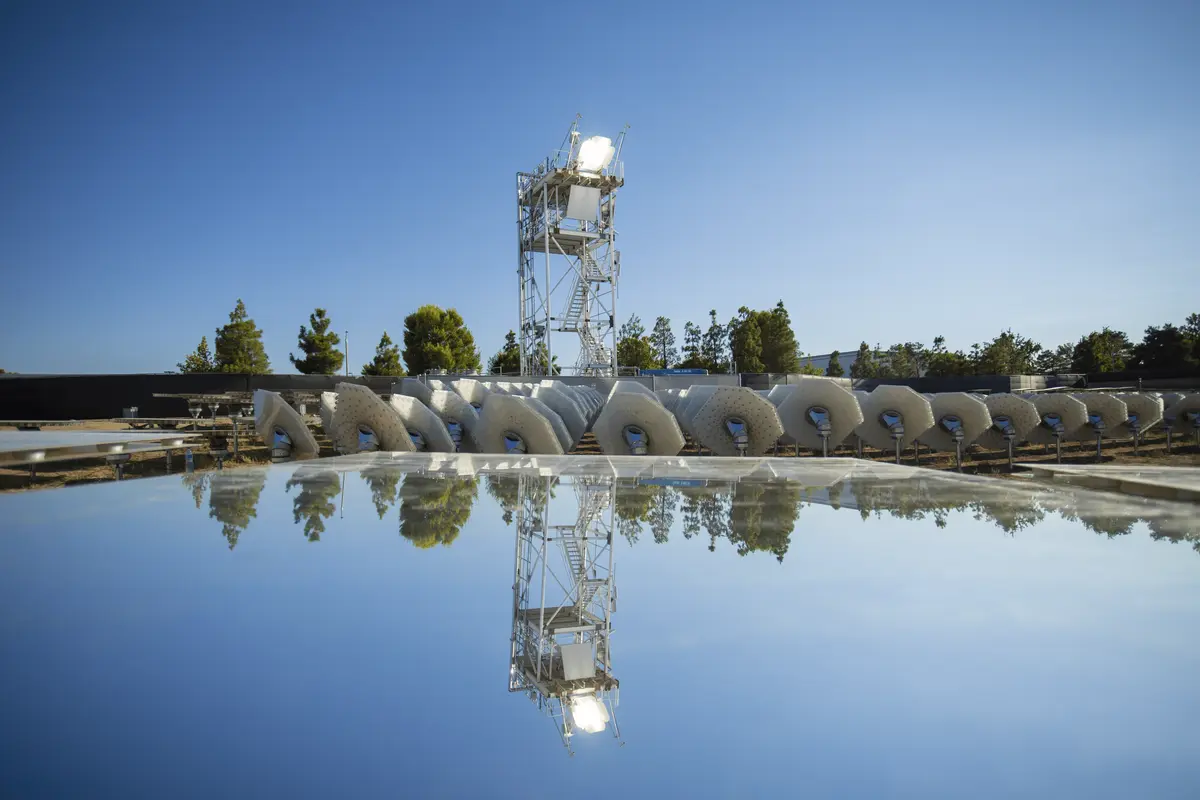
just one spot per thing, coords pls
(583, 202)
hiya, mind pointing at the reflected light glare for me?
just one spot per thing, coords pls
(595, 154)
(588, 713)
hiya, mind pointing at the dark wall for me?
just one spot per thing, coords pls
(103, 396)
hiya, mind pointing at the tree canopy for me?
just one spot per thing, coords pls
(319, 346)
(438, 339)
(199, 361)
(239, 346)
(634, 347)
(1102, 351)
(507, 360)
(386, 360)
(663, 342)
(834, 368)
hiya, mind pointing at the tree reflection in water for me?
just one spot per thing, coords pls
(763, 516)
(233, 501)
(196, 483)
(384, 483)
(434, 510)
(313, 502)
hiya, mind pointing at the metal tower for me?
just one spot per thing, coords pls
(565, 212)
(563, 601)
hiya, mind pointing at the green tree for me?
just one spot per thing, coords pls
(384, 483)
(539, 361)
(434, 510)
(745, 342)
(834, 368)
(693, 357)
(779, 352)
(865, 365)
(386, 360)
(507, 360)
(941, 362)
(714, 347)
(663, 342)
(1056, 361)
(808, 368)
(1102, 351)
(239, 346)
(1167, 347)
(319, 346)
(903, 360)
(199, 361)
(438, 339)
(1008, 354)
(633, 346)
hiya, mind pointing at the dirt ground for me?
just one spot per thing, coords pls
(252, 452)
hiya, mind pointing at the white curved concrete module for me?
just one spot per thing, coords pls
(635, 423)
(506, 416)
(1106, 408)
(421, 422)
(567, 410)
(556, 423)
(411, 387)
(1182, 414)
(806, 403)
(1171, 398)
(716, 422)
(473, 391)
(1017, 412)
(454, 410)
(1068, 412)
(328, 404)
(913, 410)
(956, 410)
(273, 415)
(689, 404)
(360, 411)
(1144, 409)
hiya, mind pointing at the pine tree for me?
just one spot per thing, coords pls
(199, 361)
(387, 359)
(715, 345)
(864, 365)
(745, 341)
(834, 368)
(239, 346)
(438, 339)
(693, 357)
(663, 342)
(321, 356)
(1102, 351)
(778, 340)
(507, 360)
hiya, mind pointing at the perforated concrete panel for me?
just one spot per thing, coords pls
(470, 390)
(1147, 408)
(358, 405)
(972, 416)
(503, 414)
(644, 412)
(328, 404)
(914, 410)
(270, 412)
(411, 387)
(1109, 408)
(813, 393)
(1022, 416)
(556, 422)
(1071, 413)
(418, 418)
(567, 410)
(710, 422)
(452, 408)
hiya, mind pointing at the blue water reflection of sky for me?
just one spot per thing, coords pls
(143, 658)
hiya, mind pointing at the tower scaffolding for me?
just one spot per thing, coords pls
(564, 597)
(565, 220)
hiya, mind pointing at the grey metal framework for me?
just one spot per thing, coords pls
(568, 267)
(564, 597)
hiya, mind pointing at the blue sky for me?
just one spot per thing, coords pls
(891, 171)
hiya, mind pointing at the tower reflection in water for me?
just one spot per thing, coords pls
(564, 598)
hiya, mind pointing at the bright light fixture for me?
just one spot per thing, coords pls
(595, 154)
(588, 713)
